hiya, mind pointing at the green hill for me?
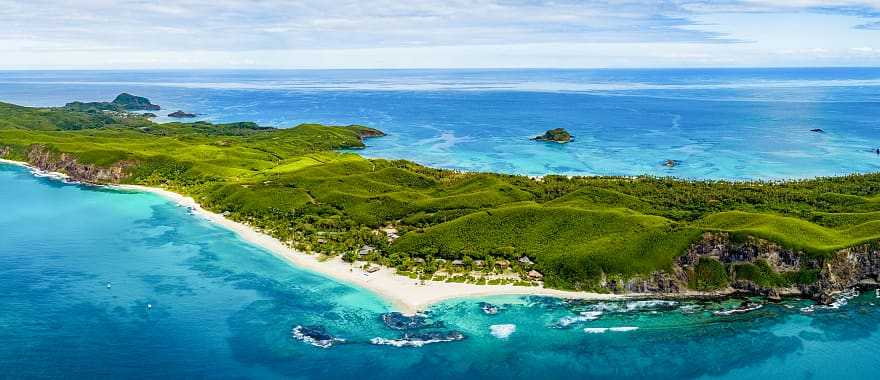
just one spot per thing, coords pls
(295, 184)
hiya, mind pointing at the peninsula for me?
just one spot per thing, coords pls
(418, 234)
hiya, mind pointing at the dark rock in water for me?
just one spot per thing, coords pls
(399, 321)
(314, 335)
(489, 308)
(559, 135)
(826, 298)
(181, 114)
(773, 296)
(817, 130)
(671, 163)
(444, 336)
(130, 102)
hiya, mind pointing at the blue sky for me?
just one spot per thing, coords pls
(437, 33)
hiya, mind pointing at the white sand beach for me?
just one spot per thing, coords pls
(405, 294)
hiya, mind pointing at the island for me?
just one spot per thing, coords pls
(130, 102)
(419, 234)
(181, 114)
(558, 135)
(123, 102)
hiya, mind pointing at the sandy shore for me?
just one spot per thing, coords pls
(405, 294)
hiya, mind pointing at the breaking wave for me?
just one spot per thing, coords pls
(315, 335)
(602, 330)
(420, 339)
(839, 301)
(585, 316)
(502, 331)
(744, 308)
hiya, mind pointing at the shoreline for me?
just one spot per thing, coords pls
(404, 294)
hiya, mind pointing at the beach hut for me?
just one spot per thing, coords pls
(525, 260)
(366, 250)
(535, 275)
(419, 260)
(372, 269)
(479, 263)
(457, 262)
(502, 263)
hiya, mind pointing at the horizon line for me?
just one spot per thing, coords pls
(2, 69)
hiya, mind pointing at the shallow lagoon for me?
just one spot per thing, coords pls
(189, 299)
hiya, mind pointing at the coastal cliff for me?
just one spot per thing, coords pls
(752, 265)
(44, 159)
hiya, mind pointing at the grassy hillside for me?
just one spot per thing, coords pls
(294, 184)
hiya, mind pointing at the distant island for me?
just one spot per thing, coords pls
(180, 114)
(558, 135)
(122, 102)
(451, 229)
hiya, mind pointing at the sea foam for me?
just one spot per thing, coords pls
(502, 331)
(602, 330)
(419, 340)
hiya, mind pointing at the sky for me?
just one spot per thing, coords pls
(158, 34)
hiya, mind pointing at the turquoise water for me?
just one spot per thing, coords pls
(188, 299)
(719, 123)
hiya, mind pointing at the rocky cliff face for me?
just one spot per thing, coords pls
(845, 269)
(44, 159)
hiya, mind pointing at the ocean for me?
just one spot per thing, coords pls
(733, 124)
(99, 283)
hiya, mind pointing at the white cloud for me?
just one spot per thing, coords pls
(459, 33)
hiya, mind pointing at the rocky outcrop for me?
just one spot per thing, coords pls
(671, 163)
(365, 133)
(559, 135)
(45, 159)
(844, 269)
(660, 282)
(181, 114)
(720, 247)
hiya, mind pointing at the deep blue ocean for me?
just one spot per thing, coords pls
(721, 123)
(98, 283)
